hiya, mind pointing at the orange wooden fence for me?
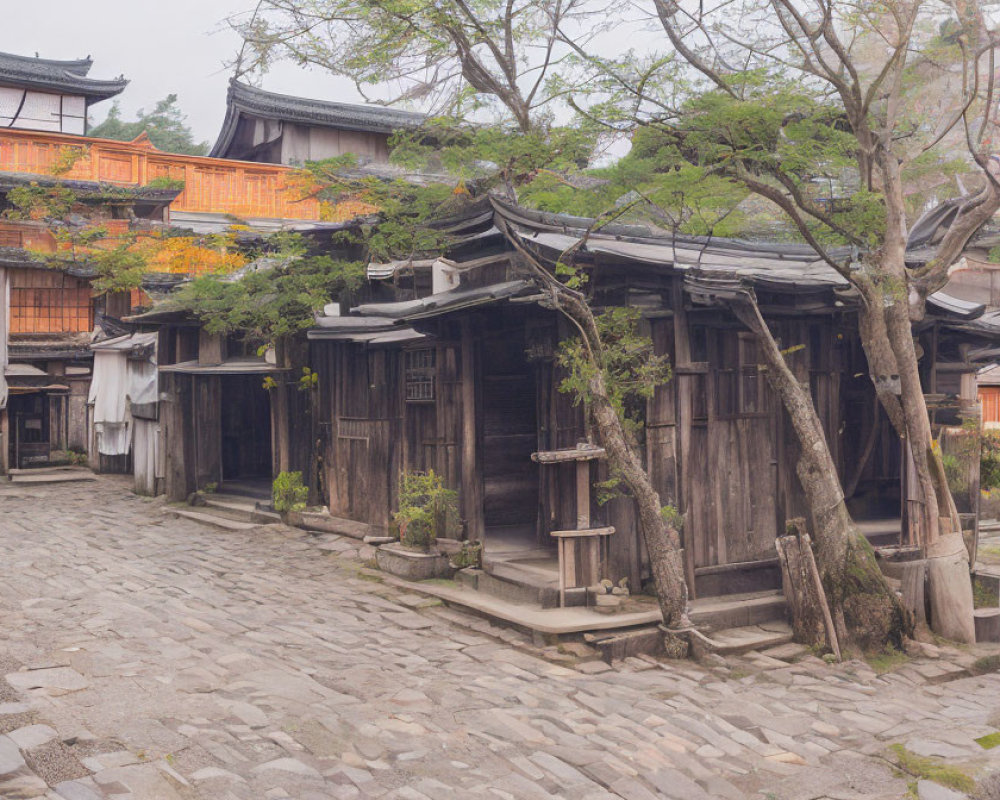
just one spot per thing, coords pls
(214, 185)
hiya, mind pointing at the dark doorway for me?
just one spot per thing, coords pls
(29, 429)
(510, 436)
(246, 428)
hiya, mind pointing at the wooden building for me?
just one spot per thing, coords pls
(465, 382)
(280, 129)
(47, 95)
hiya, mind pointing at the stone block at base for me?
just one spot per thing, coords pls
(412, 565)
(987, 624)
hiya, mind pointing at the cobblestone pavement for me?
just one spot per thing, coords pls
(150, 657)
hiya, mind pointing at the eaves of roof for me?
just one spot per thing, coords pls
(69, 77)
(251, 101)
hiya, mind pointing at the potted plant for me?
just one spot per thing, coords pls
(427, 510)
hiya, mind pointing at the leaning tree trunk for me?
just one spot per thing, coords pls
(866, 611)
(887, 338)
(662, 540)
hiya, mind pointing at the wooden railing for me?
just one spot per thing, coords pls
(211, 185)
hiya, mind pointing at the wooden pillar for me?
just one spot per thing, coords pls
(472, 487)
(4, 441)
(178, 436)
(685, 410)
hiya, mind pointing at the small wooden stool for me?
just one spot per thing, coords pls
(582, 544)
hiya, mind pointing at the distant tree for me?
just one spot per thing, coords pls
(164, 124)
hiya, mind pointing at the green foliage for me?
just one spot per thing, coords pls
(67, 158)
(954, 471)
(308, 381)
(164, 124)
(289, 493)
(632, 370)
(500, 152)
(673, 517)
(406, 210)
(427, 509)
(40, 202)
(267, 304)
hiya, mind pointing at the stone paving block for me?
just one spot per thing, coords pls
(55, 679)
(32, 736)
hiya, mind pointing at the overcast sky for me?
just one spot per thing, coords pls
(161, 46)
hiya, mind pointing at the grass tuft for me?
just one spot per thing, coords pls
(886, 661)
(932, 770)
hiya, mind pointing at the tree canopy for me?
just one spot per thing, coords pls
(165, 125)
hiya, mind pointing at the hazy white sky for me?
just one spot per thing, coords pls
(161, 46)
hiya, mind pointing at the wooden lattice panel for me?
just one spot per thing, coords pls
(46, 301)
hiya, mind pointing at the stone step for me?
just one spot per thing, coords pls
(41, 476)
(258, 490)
(213, 520)
(738, 578)
(234, 506)
(326, 523)
(511, 582)
(736, 641)
(735, 611)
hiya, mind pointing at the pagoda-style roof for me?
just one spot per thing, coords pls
(250, 101)
(49, 75)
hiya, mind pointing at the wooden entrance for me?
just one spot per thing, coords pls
(29, 441)
(510, 436)
(246, 428)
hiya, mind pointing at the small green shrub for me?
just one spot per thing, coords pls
(984, 595)
(471, 555)
(673, 517)
(289, 493)
(989, 464)
(427, 509)
(164, 182)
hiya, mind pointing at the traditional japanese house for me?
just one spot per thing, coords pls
(280, 129)
(52, 316)
(464, 380)
(46, 95)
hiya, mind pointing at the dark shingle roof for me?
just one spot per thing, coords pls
(255, 102)
(46, 74)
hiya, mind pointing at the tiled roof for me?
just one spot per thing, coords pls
(46, 74)
(244, 99)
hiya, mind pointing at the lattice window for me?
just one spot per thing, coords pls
(421, 370)
(45, 301)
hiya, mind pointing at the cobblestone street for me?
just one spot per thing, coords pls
(151, 657)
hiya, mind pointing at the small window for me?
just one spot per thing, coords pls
(420, 374)
(752, 389)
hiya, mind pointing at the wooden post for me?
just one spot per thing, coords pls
(472, 487)
(684, 411)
